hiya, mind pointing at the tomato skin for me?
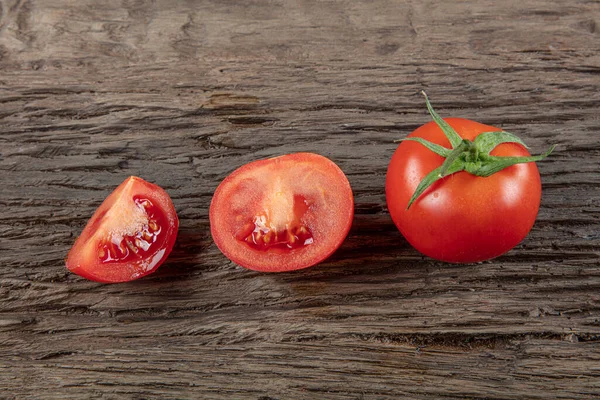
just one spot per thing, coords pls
(83, 258)
(329, 219)
(461, 218)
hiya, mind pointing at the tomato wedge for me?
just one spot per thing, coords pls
(283, 213)
(129, 236)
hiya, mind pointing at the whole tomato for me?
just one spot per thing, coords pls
(460, 191)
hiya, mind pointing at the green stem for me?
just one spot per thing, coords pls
(470, 156)
(450, 133)
(495, 164)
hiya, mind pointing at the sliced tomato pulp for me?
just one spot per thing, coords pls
(283, 213)
(129, 235)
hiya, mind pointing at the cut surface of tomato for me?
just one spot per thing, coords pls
(129, 236)
(283, 213)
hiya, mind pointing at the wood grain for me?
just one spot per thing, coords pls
(182, 94)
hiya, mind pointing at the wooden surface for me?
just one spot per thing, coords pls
(182, 93)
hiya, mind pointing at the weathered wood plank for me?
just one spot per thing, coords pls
(182, 94)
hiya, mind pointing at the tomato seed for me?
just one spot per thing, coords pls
(267, 238)
(131, 246)
(263, 238)
(291, 238)
(145, 203)
(152, 225)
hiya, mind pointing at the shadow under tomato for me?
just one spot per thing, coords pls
(185, 257)
(373, 245)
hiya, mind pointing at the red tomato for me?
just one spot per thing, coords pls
(461, 218)
(129, 235)
(283, 213)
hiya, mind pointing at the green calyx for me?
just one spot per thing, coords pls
(466, 155)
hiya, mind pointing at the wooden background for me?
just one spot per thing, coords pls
(182, 93)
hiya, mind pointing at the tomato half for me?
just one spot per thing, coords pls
(462, 217)
(283, 213)
(129, 236)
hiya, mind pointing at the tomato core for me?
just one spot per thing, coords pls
(277, 228)
(119, 246)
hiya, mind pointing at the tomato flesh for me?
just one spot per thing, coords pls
(282, 214)
(461, 218)
(129, 236)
